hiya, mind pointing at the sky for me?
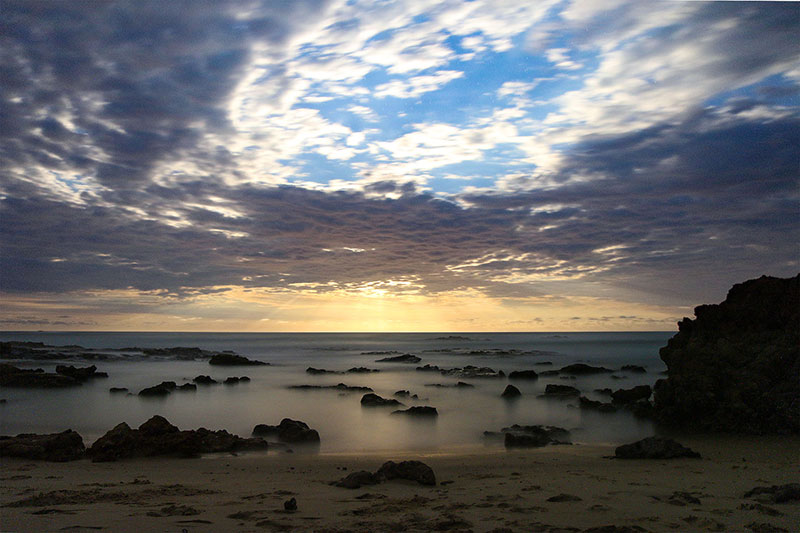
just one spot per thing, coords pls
(314, 165)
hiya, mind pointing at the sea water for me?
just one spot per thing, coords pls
(343, 424)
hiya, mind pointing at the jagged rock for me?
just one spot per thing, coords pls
(429, 368)
(232, 380)
(511, 392)
(627, 396)
(373, 400)
(523, 374)
(580, 369)
(405, 358)
(59, 447)
(319, 371)
(471, 371)
(11, 376)
(654, 448)
(775, 493)
(340, 387)
(419, 410)
(361, 370)
(735, 367)
(289, 430)
(162, 389)
(410, 470)
(231, 359)
(635, 369)
(205, 380)
(562, 391)
(357, 479)
(80, 374)
(158, 437)
(586, 403)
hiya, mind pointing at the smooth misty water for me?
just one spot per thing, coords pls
(343, 424)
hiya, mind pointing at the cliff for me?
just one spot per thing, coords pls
(736, 366)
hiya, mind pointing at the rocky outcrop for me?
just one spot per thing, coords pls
(232, 359)
(510, 392)
(60, 447)
(629, 396)
(162, 389)
(373, 400)
(158, 437)
(405, 358)
(560, 391)
(471, 371)
(409, 470)
(11, 376)
(654, 448)
(429, 368)
(735, 367)
(340, 387)
(205, 380)
(293, 431)
(580, 369)
(523, 374)
(80, 374)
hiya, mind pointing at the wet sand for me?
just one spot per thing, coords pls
(477, 491)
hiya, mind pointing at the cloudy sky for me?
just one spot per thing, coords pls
(369, 165)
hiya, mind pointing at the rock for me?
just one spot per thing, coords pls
(683, 498)
(11, 376)
(373, 400)
(205, 380)
(564, 498)
(525, 440)
(293, 431)
(543, 363)
(764, 527)
(290, 505)
(244, 379)
(523, 374)
(420, 410)
(586, 403)
(735, 367)
(459, 385)
(230, 359)
(554, 390)
(115, 390)
(361, 370)
(775, 493)
(162, 389)
(580, 369)
(654, 448)
(410, 470)
(187, 387)
(319, 371)
(510, 392)
(402, 394)
(233, 380)
(605, 391)
(357, 480)
(626, 396)
(634, 369)
(549, 373)
(615, 529)
(518, 436)
(58, 447)
(429, 368)
(340, 387)
(80, 374)
(471, 371)
(158, 437)
(641, 408)
(405, 358)
(177, 352)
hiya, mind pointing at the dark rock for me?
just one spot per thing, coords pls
(626, 396)
(158, 437)
(402, 394)
(373, 400)
(319, 371)
(420, 410)
(162, 389)
(561, 390)
(187, 387)
(471, 372)
(230, 359)
(641, 409)
(59, 447)
(405, 358)
(429, 368)
(654, 448)
(80, 374)
(634, 369)
(549, 373)
(11, 376)
(357, 480)
(244, 379)
(518, 436)
(683, 498)
(383, 352)
(232, 380)
(564, 498)
(118, 389)
(764, 527)
(586, 403)
(340, 387)
(735, 367)
(290, 505)
(293, 431)
(361, 370)
(580, 369)
(525, 440)
(409, 470)
(523, 374)
(205, 380)
(459, 385)
(776, 493)
(605, 391)
(543, 363)
(178, 352)
(511, 392)
(615, 529)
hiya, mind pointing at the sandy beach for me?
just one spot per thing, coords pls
(475, 491)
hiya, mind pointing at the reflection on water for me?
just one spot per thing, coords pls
(344, 426)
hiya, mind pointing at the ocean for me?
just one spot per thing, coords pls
(343, 424)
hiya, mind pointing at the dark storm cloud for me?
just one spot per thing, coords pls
(141, 81)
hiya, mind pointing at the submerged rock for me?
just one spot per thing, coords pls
(231, 359)
(735, 367)
(361, 370)
(293, 431)
(580, 369)
(523, 374)
(560, 391)
(418, 410)
(471, 371)
(586, 403)
(518, 436)
(115, 390)
(320, 371)
(429, 368)
(205, 380)
(80, 374)
(340, 387)
(405, 358)
(11, 376)
(510, 392)
(59, 447)
(373, 400)
(635, 369)
(162, 389)
(654, 448)
(628, 396)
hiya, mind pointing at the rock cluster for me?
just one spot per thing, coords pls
(654, 448)
(408, 470)
(11, 376)
(518, 436)
(405, 358)
(735, 367)
(64, 446)
(373, 400)
(293, 431)
(232, 359)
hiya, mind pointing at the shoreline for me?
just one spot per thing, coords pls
(482, 492)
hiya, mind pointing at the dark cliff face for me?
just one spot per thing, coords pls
(736, 366)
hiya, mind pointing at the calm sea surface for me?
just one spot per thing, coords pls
(344, 426)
